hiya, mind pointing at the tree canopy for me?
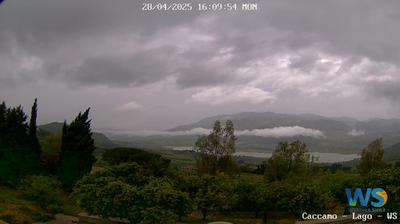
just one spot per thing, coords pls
(372, 156)
(288, 158)
(19, 149)
(77, 146)
(214, 151)
(125, 191)
(154, 162)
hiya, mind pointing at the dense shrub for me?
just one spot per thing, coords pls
(152, 162)
(19, 149)
(125, 191)
(214, 193)
(45, 191)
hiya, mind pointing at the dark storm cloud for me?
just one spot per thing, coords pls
(47, 22)
(351, 30)
(136, 69)
(363, 28)
(202, 76)
(366, 28)
(386, 90)
(72, 38)
(65, 35)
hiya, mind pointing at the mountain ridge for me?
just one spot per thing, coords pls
(100, 140)
(261, 120)
(343, 134)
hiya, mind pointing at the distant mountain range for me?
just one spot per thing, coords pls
(261, 131)
(254, 120)
(100, 140)
(328, 125)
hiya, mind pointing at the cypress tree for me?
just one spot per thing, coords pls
(3, 111)
(76, 157)
(3, 147)
(18, 156)
(63, 136)
(33, 128)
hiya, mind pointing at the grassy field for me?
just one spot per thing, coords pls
(15, 208)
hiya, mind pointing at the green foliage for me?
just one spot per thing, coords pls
(154, 162)
(34, 142)
(308, 197)
(214, 193)
(185, 181)
(45, 191)
(51, 147)
(372, 157)
(216, 149)
(388, 179)
(161, 194)
(126, 191)
(76, 157)
(155, 215)
(292, 197)
(287, 159)
(245, 196)
(104, 194)
(336, 182)
(19, 156)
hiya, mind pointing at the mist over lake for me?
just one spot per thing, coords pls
(321, 157)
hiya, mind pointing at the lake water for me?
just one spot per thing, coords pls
(322, 156)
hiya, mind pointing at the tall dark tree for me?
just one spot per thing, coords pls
(33, 128)
(18, 157)
(3, 111)
(76, 157)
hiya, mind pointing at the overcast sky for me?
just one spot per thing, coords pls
(144, 71)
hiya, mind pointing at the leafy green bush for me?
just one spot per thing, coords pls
(153, 162)
(388, 179)
(214, 193)
(125, 191)
(155, 215)
(45, 191)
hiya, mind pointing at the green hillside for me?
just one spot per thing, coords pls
(100, 140)
(392, 153)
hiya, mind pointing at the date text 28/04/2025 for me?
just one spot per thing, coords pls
(200, 7)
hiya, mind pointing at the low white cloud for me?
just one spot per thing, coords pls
(356, 132)
(280, 132)
(194, 131)
(276, 132)
(130, 106)
(219, 95)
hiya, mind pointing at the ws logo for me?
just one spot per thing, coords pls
(377, 193)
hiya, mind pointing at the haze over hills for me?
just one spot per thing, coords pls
(256, 120)
(392, 153)
(100, 140)
(261, 131)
